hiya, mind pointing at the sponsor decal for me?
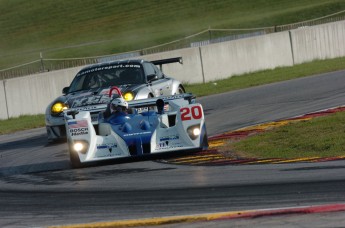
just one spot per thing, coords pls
(108, 68)
(82, 95)
(173, 97)
(79, 131)
(109, 146)
(92, 100)
(168, 142)
(89, 108)
(77, 124)
(165, 145)
(78, 127)
(138, 133)
(170, 137)
(108, 155)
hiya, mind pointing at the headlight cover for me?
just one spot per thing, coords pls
(194, 131)
(58, 108)
(80, 146)
(128, 96)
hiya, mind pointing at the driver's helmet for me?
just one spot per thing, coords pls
(118, 105)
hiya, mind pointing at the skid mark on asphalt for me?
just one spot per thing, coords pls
(213, 157)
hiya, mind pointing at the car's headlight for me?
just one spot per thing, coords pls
(58, 107)
(194, 131)
(81, 146)
(128, 96)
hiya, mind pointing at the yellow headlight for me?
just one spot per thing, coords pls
(128, 96)
(58, 108)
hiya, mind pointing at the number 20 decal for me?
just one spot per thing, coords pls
(189, 113)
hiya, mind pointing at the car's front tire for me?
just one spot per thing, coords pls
(204, 144)
(74, 159)
(56, 133)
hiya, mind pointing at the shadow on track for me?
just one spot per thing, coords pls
(29, 142)
(49, 167)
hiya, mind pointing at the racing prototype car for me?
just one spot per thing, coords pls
(169, 123)
(137, 79)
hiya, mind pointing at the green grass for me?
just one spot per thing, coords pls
(105, 27)
(266, 76)
(319, 137)
(21, 123)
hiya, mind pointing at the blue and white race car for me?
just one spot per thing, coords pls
(163, 124)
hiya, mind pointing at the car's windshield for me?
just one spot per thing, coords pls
(105, 76)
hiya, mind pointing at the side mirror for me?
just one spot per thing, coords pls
(65, 90)
(152, 77)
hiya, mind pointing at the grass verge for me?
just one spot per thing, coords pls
(266, 77)
(319, 137)
(21, 123)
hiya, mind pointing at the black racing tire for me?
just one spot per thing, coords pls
(74, 159)
(204, 144)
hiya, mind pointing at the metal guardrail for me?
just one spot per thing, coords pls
(202, 38)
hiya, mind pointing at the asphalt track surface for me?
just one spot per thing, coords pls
(38, 187)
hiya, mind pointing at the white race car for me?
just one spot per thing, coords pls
(164, 124)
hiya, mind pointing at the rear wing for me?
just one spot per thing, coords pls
(156, 101)
(167, 61)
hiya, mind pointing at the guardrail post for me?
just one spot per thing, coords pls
(8, 115)
(202, 66)
(42, 64)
